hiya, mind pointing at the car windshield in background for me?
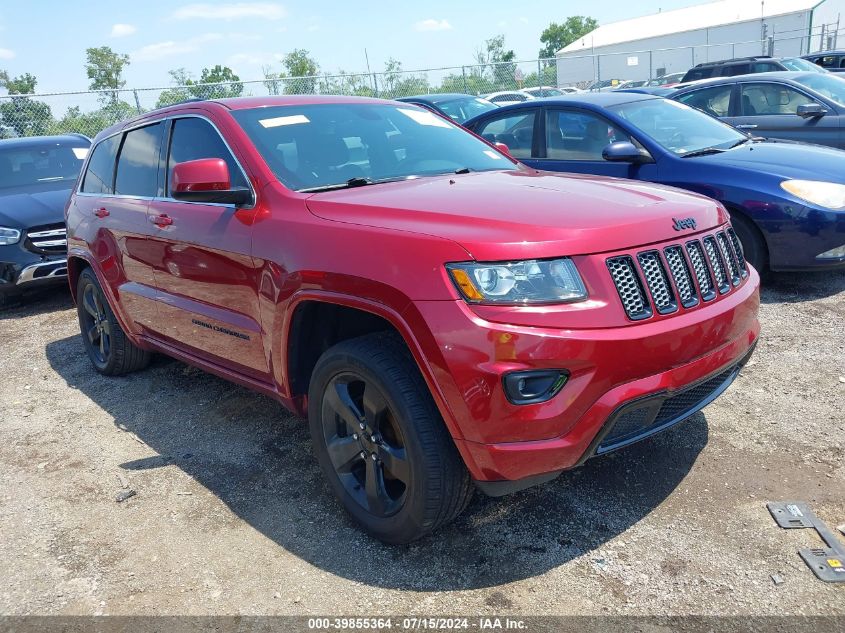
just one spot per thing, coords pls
(26, 166)
(827, 85)
(796, 63)
(462, 110)
(678, 128)
(324, 145)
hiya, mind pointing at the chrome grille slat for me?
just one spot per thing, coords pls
(728, 257)
(681, 274)
(630, 288)
(716, 264)
(702, 272)
(657, 282)
(740, 255)
(47, 239)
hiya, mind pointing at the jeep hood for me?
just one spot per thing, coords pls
(523, 213)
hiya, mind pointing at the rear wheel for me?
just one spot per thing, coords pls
(753, 245)
(381, 442)
(110, 351)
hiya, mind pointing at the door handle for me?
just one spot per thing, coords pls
(161, 220)
(746, 126)
(101, 212)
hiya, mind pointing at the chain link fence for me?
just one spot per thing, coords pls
(89, 112)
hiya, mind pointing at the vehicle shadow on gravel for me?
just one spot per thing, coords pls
(38, 302)
(804, 286)
(257, 459)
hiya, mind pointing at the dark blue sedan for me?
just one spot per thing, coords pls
(456, 106)
(786, 200)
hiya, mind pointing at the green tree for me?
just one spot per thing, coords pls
(228, 83)
(25, 115)
(557, 36)
(104, 68)
(301, 72)
(495, 66)
(180, 78)
(272, 80)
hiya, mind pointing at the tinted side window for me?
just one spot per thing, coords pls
(137, 165)
(192, 139)
(516, 131)
(734, 70)
(579, 135)
(100, 173)
(765, 67)
(760, 99)
(714, 101)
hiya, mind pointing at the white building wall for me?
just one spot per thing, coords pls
(677, 52)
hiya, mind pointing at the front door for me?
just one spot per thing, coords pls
(207, 282)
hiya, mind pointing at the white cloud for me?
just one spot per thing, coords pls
(231, 11)
(433, 25)
(162, 50)
(122, 30)
(6, 53)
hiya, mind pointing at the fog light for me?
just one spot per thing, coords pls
(833, 253)
(534, 386)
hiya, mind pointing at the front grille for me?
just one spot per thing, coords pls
(629, 286)
(657, 282)
(648, 416)
(47, 240)
(678, 275)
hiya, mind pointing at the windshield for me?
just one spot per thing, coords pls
(22, 166)
(827, 85)
(462, 110)
(677, 127)
(796, 63)
(320, 145)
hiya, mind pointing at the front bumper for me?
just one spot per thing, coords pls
(31, 271)
(610, 369)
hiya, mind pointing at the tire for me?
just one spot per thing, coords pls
(108, 347)
(400, 476)
(753, 244)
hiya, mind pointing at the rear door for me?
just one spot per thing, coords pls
(204, 270)
(113, 201)
(769, 109)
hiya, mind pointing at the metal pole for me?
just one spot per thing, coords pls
(598, 68)
(137, 102)
(650, 65)
(539, 77)
(464, 73)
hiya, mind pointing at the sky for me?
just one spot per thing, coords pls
(48, 38)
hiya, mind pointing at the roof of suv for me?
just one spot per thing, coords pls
(736, 60)
(30, 141)
(789, 75)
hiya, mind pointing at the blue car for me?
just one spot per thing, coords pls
(458, 107)
(786, 200)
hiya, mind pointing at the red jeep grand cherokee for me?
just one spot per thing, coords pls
(441, 313)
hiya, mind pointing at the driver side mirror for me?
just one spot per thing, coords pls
(503, 148)
(810, 110)
(206, 180)
(625, 152)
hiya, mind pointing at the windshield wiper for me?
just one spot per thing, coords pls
(703, 152)
(463, 170)
(741, 141)
(357, 181)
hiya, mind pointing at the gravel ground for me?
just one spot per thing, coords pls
(231, 513)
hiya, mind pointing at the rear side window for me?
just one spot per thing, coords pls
(516, 131)
(714, 101)
(193, 138)
(137, 165)
(734, 70)
(99, 177)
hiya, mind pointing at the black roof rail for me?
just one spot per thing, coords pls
(734, 59)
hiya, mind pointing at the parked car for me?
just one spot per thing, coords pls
(831, 61)
(36, 176)
(786, 200)
(604, 85)
(549, 91)
(508, 97)
(808, 107)
(458, 107)
(748, 65)
(660, 91)
(672, 79)
(361, 261)
(631, 83)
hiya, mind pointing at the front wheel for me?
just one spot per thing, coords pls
(753, 245)
(381, 442)
(108, 347)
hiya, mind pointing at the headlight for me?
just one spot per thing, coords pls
(516, 283)
(829, 195)
(9, 236)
